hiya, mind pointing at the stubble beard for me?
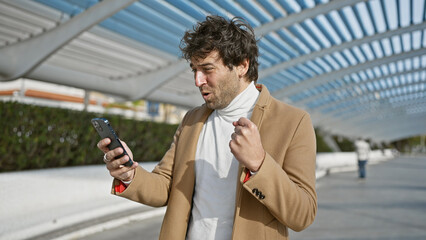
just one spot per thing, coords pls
(223, 94)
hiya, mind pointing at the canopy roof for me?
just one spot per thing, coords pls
(357, 66)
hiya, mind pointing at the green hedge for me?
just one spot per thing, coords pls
(34, 137)
(321, 145)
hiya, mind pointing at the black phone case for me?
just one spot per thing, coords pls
(105, 130)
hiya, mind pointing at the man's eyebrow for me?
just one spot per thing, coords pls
(202, 65)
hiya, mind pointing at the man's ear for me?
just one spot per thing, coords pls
(242, 69)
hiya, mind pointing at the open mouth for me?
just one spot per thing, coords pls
(205, 95)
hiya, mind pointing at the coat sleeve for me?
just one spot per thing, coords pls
(287, 189)
(152, 188)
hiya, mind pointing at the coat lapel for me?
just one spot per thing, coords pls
(180, 202)
(257, 116)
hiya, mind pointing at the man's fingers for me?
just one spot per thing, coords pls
(243, 123)
(111, 155)
(243, 130)
(103, 144)
(122, 172)
(233, 136)
(127, 149)
(117, 163)
(116, 167)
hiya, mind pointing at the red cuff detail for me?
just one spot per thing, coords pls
(248, 175)
(120, 187)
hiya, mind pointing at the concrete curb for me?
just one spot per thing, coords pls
(64, 222)
(112, 224)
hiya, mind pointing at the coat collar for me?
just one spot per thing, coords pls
(261, 105)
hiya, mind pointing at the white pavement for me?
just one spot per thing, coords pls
(40, 201)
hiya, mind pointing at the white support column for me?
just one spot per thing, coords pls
(22, 57)
(22, 90)
(86, 100)
(331, 143)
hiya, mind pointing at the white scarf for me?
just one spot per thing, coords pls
(216, 170)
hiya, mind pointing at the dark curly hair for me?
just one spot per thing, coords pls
(234, 40)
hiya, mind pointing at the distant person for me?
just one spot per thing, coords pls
(242, 165)
(363, 152)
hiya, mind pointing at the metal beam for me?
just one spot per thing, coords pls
(22, 57)
(39, 9)
(68, 77)
(377, 124)
(303, 15)
(318, 80)
(141, 87)
(373, 121)
(145, 85)
(397, 126)
(370, 95)
(348, 85)
(187, 101)
(387, 129)
(347, 45)
(378, 109)
(355, 118)
(108, 34)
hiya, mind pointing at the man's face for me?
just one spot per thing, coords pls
(217, 83)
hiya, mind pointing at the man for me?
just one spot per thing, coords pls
(362, 151)
(242, 165)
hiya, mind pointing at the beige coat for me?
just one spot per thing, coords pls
(286, 178)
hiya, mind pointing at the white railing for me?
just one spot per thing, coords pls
(347, 161)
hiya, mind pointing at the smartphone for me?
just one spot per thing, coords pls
(105, 130)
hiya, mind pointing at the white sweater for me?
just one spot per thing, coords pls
(216, 170)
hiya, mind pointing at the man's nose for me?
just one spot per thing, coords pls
(200, 79)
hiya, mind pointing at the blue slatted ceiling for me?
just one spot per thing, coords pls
(171, 12)
(162, 23)
(211, 7)
(155, 18)
(62, 6)
(190, 9)
(237, 10)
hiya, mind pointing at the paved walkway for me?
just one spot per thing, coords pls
(389, 205)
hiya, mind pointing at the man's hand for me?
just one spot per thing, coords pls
(245, 144)
(115, 166)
